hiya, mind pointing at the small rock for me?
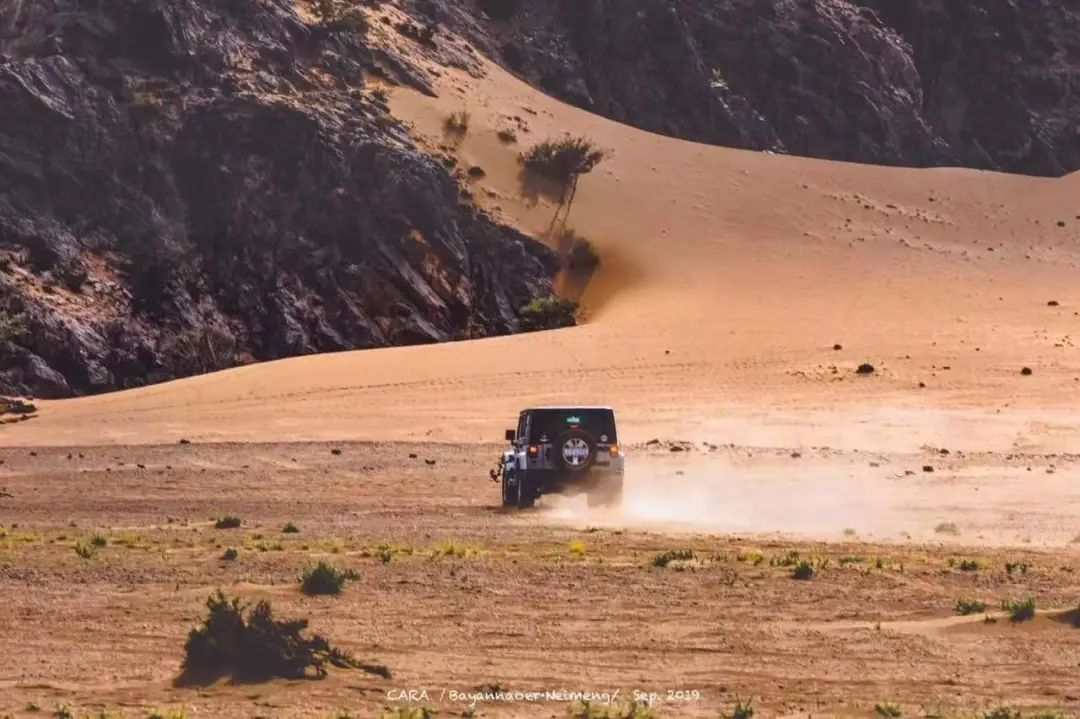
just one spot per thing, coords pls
(1053, 303)
(796, 455)
(476, 172)
(677, 448)
(865, 368)
(185, 441)
(413, 455)
(430, 462)
(838, 347)
(335, 451)
(652, 443)
(928, 468)
(1026, 371)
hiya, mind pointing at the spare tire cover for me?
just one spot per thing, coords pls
(575, 450)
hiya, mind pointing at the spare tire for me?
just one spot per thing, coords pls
(575, 451)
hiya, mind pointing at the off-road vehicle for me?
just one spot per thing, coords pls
(562, 450)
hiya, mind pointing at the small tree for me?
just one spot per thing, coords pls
(564, 161)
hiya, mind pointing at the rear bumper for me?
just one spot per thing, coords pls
(553, 481)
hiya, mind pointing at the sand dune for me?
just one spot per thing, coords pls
(727, 278)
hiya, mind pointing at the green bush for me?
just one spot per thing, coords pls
(888, 710)
(325, 579)
(969, 565)
(548, 313)
(804, 571)
(98, 541)
(230, 554)
(228, 522)
(564, 159)
(291, 528)
(672, 555)
(339, 15)
(84, 549)
(964, 607)
(1020, 610)
(256, 647)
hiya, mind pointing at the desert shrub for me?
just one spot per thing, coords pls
(339, 15)
(85, 549)
(588, 710)
(1000, 713)
(228, 522)
(790, 559)
(969, 565)
(850, 559)
(499, 9)
(290, 528)
(577, 549)
(548, 313)
(564, 159)
(230, 554)
(804, 571)
(1020, 610)
(947, 528)
(1011, 567)
(888, 710)
(450, 548)
(672, 555)
(325, 579)
(13, 327)
(408, 713)
(458, 122)
(742, 709)
(257, 647)
(964, 607)
(167, 714)
(509, 136)
(380, 94)
(98, 541)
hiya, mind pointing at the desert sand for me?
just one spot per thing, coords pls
(727, 278)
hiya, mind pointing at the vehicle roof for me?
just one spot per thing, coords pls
(567, 407)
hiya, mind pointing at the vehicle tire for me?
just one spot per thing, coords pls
(575, 451)
(607, 493)
(509, 493)
(525, 495)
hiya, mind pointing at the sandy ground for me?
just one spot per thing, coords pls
(727, 278)
(523, 609)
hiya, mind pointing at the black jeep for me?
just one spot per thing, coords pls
(562, 450)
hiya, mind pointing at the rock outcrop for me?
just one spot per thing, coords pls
(188, 185)
(985, 83)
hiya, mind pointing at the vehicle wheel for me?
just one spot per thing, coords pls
(509, 493)
(606, 494)
(526, 494)
(575, 451)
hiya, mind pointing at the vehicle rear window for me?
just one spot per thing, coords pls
(548, 424)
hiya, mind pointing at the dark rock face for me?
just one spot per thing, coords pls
(985, 83)
(187, 185)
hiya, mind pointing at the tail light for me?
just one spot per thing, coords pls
(614, 450)
(533, 450)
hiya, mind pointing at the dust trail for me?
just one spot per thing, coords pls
(720, 496)
(839, 497)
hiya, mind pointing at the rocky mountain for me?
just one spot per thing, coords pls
(188, 185)
(981, 83)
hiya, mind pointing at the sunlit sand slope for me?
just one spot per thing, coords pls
(727, 278)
